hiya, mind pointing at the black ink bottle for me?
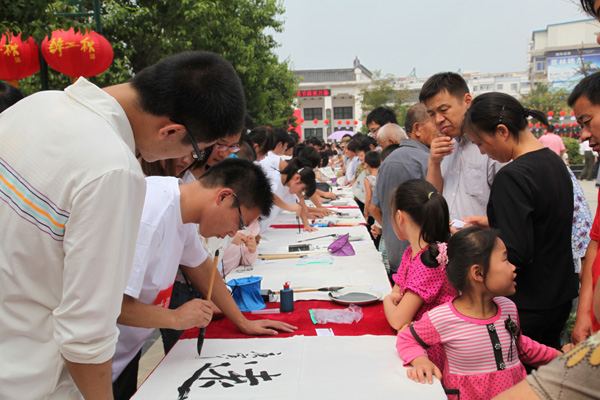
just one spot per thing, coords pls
(286, 298)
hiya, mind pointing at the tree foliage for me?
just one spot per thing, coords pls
(145, 31)
(572, 146)
(383, 93)
(545, 98)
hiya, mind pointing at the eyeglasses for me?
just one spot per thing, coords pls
(242, 226)
(234, 148)
(197, 154)
(374, 131)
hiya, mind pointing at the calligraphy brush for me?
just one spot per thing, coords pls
(298, 220)
(202, 331)
(281, 256)
(323, 289)
(318, 237)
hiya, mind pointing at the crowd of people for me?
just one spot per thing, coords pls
(117, 201)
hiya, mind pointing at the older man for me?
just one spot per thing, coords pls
(390, 134)
(409, 161)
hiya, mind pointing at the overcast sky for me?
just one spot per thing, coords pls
(395, 36)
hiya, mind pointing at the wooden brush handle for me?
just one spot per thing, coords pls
(212, 276)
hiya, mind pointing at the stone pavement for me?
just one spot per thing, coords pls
(591, 194)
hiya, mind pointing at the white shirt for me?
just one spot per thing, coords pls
(278, 188)
(270, 162)
(164, 242)
(585, 146)
(72, 196)
(468, 177)
(350, 168)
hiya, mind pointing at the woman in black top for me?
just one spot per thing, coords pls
(531, 203)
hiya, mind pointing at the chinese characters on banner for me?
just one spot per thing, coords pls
(314, 93)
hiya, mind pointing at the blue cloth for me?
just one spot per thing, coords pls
(582, 223)
(246, 293)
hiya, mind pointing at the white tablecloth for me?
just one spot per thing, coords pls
(364, 270)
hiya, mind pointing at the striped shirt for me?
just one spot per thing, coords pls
(480, 360)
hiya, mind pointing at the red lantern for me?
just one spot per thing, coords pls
(564, 125)
(18, 59)
(347, 122)
(339, 122)
(557, 125)
(550, 113)
(301, 120)
(77, 54)
(327, 122)
(530, 125)
(572, 113)
(355, 122)
(562, 113)
(316, 121)
(537, 126)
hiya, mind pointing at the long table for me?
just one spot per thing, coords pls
(318, 269)
(359, 361)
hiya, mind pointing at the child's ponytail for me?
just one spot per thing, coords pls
(436, 255)
(301, 166)
(429, 210)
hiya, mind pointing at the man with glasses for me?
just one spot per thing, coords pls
(379, 117)
(72, 196)
(220, 151)
(228, 197)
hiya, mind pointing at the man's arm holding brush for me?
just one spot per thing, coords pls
(200, 278)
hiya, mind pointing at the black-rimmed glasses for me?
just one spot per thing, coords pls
(242, 226)
(374, 131)
(197, 154)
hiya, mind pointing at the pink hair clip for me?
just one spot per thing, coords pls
(442, 257)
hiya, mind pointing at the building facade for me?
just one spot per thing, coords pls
(558, 54)
(328, 99)
(515, 84)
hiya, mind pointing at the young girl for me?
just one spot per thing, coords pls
(479, 330)
(295, 179)
(264, 141)
(420, 215)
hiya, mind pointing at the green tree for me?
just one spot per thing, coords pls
(144, 31)
(383, 93)
(544, 98)
(572, 146)
(24, 16)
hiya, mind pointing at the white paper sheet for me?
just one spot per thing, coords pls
(337, 367)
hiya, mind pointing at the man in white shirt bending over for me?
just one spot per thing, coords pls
(228, 197)
(72, 194)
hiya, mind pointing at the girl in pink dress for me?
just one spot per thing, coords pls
(420, 216)
(479, 329)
